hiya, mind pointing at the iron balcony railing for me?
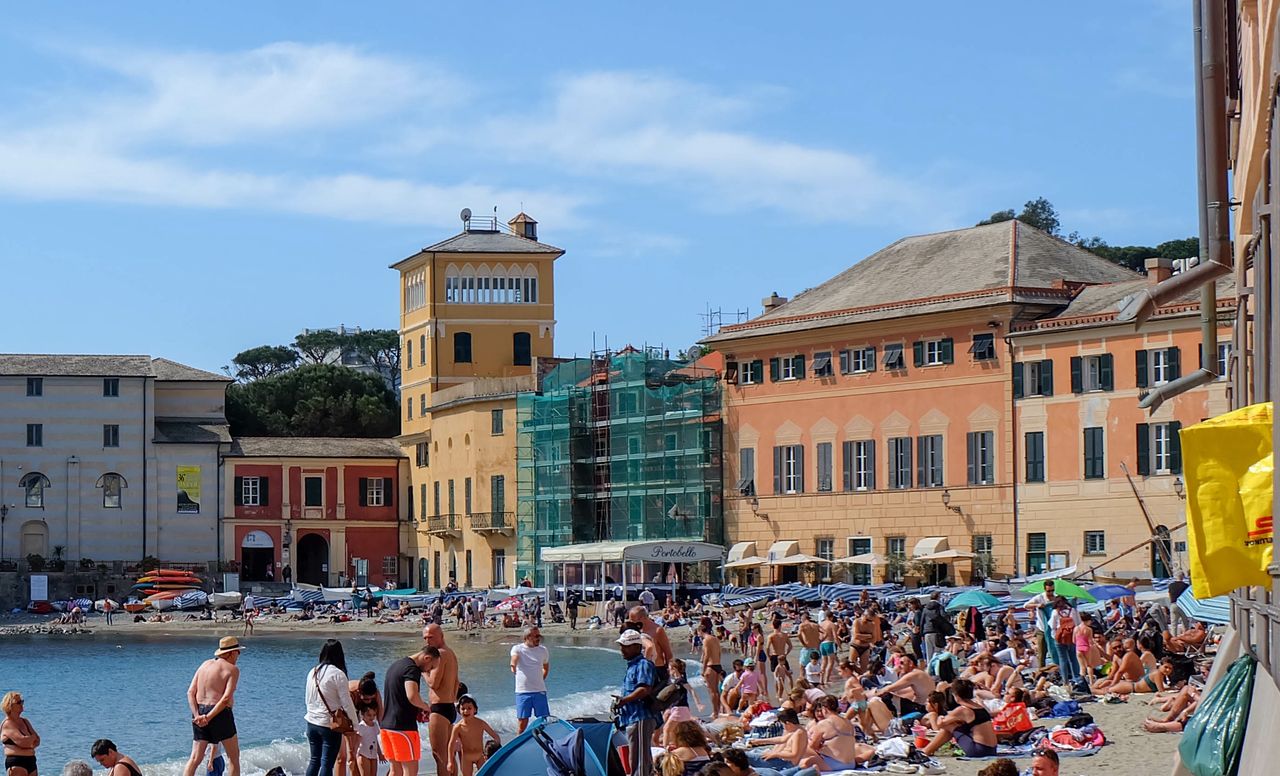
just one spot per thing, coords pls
(497, 522)
(442, 524)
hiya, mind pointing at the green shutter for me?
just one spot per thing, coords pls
(844, 362)
(948, 351)
(1046, 378)
(917, 349)
(871, 366)
(1140, 367)
(1175, 447)
(846, 466)
(388, 492)
(799, 367)
(971, 442)
(1144, 449)
(239, 488)
(1077, 374)
(799, 468)
(1088, 454)
(1018, 392)
(1175, 363)
(922, 476)
(777, 470)
(1107, 372)
(264, 491)
(364, 491)
(775, 370)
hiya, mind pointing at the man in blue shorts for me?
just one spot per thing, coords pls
(530, 662)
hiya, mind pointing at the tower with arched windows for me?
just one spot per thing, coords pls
(477, 311)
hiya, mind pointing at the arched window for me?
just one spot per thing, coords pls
(451, 284)
(530, 283)
(34, 485)
(112, 485)
(482, 284)
(462, 347)
(468, 285)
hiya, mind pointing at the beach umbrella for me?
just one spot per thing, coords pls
(979, 598)
(509, 604)
(1061, 587)
(1107, 592)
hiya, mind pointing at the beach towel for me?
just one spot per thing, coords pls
(1065, 709)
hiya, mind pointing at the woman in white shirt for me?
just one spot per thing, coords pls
(327, 691)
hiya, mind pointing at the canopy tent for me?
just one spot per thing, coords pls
(660, 551)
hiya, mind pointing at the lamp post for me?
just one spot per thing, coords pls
(946, 502)
(1178, 488)
(4, 515)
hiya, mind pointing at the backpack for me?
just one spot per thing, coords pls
(1066, 631)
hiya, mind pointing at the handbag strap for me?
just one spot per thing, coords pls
(315, 675)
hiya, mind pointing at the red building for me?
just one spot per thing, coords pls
(319, 510)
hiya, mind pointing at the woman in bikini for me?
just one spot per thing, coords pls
(105, 753)
(20, 739)
(1156, 681)
(968, 724)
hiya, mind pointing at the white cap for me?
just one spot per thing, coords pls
(630, 638)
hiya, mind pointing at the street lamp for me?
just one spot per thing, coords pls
(946, 502)
(1178, 488)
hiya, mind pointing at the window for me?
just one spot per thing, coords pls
(1156, 367)
(498, 560)
(983, 347)
(1037, 553)
(857, 361)
(981, 457)
(859, 465)
(788, 368)
(35, 386)
(826, 549)
(466, 496)
(35, 435)
(788, 469)
(746, 471)
(822, 364)
(900, 462)
(752, 372)
(375, 492)
(1159, 448)
(111, 435)
(408, 352)
(422, 500)
(1092, 373)
(1033, 378)
(462, 347)
(422, 350)
(408, 408)
(1224, 360)
(390, 565)
(1034, 447)
(453, 502)
(313, 491)
(823, 451)
(251, 491)
(1094, 454)
(498, 493)
(495, 422)
(1095, 542)
(933, 352)
(521, 349)
(896, 547)
(929, 461)
(893, 358)
(34, 485)
(422, 452)
(111, 386)
(983, 544)
(435, 497)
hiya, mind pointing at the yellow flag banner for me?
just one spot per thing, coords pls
(1228, 471)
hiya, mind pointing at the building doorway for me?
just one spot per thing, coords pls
(313, 560)
(1161, 548)
(35, 538)
(257, 555)
(859, 573)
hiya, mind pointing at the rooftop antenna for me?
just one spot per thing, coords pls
(466, 218)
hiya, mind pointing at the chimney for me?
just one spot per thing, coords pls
(524, 226)
(1159, 270)
(773, 302)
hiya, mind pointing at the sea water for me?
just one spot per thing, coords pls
(133, 691)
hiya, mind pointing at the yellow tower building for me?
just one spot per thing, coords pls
(476, 313)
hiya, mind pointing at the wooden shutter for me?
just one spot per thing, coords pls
(971, 443)
(799, 468)
(948, 351)
(1018, 392)
(1077, 374)
(1046, 378)
(239, 488)
(264, 491)
(871, 464)
(388, 492)
(922, 476)
(799, 367)
(906, 451)
(1175, 447)
(731, 372)
(1107, 372)
(871, 363)
(1140, 367)
(846, 466)
(775, 370)
(1144, 449)
(1175, 363)
(844, 362)
(917, 350)
(364, 491)
(777, 470)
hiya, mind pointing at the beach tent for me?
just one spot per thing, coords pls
(627, 553)
(585, 747)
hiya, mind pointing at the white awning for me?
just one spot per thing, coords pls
(780, 550)
(797, 559)
(256, 539)
(655, 551)
(865, 559)
(739, 551)
(747, 562)
(930, 545)
(946, 556)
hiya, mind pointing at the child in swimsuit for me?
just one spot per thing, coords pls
(466, 743)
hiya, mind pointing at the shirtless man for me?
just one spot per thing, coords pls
(866, 631)
(442, 683)
(712, 668)
(210, 697)
(1129, 669)
(657, 647)
(827, 648)
(832, 740)
(778, 647)
(909, 692)
(809, 636)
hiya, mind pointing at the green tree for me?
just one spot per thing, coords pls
(1038, 212)
(262, 361)
(315, 347)
(381, 347)
(314, 400)
(1179, 249)
(997, 217)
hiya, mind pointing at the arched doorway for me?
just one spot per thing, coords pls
(313, 560)
(35, 538)
(1161, 548)
(257, 555)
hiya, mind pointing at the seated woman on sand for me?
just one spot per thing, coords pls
(968, 724)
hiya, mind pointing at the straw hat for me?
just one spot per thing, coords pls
(227, 644)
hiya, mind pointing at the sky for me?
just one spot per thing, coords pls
(190, 181)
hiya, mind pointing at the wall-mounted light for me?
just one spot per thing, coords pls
(1178, 488)
(755, 509)
(946, 502)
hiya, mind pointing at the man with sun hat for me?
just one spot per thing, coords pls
(211, 696)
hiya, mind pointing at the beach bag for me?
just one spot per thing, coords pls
(339, 722)
(1065, 709)
(1212, 738)
(1013, 718)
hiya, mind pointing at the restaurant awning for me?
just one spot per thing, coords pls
(782, 549)
(797, 559)
(865, 559)
(930, 545)
(739, 551)
(653, 551)
(747, 562)
(946, 556)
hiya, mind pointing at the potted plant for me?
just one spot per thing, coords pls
(86, 564)
(35, 562)
(56, 563)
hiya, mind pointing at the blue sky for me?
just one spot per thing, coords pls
(193, 181)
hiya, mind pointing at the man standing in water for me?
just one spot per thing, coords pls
(712, 668)
(530, 662)
(211, 696)
(442, 681)
(402, 699)
(657, 647)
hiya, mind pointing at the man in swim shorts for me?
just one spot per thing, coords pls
(778, 647)
(442, 680)
(809, 635)
(402, 704)
(827, 647)
(210, 697)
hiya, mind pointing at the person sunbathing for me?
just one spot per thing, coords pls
(1192, 639)
(1129, 669)
(1179, 709)
(1156, 681)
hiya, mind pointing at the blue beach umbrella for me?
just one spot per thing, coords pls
(1107, 592)
(979, 598)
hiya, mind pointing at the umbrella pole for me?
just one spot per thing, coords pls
(1142, 505)
(1131, 550)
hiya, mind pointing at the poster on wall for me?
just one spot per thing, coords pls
(39, 587)
(188, 490)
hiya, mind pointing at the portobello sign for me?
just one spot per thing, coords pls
(673, 552)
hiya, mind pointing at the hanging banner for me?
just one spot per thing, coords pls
(188, 490)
